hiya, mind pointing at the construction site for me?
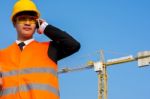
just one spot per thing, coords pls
(114, 58)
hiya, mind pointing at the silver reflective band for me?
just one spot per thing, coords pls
(29, 71)
(28, 87)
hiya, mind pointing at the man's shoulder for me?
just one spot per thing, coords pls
(9, 48)
(14, 44)
(41, 43)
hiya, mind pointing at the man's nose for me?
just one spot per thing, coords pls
(27, 22)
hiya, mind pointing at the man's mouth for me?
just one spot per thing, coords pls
(27, 28)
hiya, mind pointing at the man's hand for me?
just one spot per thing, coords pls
(42, 25)
(1, 85)
(1, 82)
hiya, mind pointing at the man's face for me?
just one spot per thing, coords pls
(25, 26)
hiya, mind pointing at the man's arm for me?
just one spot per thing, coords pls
(62, 44)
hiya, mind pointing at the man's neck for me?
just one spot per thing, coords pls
(24, 38)
(26, 41)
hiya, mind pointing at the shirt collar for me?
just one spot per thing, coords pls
(26, 42)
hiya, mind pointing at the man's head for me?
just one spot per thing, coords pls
(24, 18)
(24, 5)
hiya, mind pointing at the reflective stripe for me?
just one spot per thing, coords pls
(29, 71)
(28, 87)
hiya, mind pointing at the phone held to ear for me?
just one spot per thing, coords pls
(40, 29)
(38, 23)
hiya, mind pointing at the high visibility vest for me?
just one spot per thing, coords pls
(28, 74)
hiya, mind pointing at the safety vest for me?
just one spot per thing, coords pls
(28, 74)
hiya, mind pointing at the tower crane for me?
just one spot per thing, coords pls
(100, 68)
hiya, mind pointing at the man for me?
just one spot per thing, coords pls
(29, 67)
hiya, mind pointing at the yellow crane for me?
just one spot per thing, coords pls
(100, 67)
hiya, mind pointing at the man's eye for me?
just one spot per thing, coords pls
(22, 18)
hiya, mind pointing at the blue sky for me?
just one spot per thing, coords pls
(119, 27)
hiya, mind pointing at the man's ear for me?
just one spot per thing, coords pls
(14, 24)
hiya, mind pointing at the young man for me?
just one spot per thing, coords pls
(29, 67)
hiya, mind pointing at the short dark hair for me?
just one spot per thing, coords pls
(32, 13)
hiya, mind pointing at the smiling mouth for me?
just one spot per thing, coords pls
(27, 28)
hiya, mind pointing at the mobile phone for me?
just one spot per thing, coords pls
(38, 23)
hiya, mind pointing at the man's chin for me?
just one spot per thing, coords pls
(27, 35)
